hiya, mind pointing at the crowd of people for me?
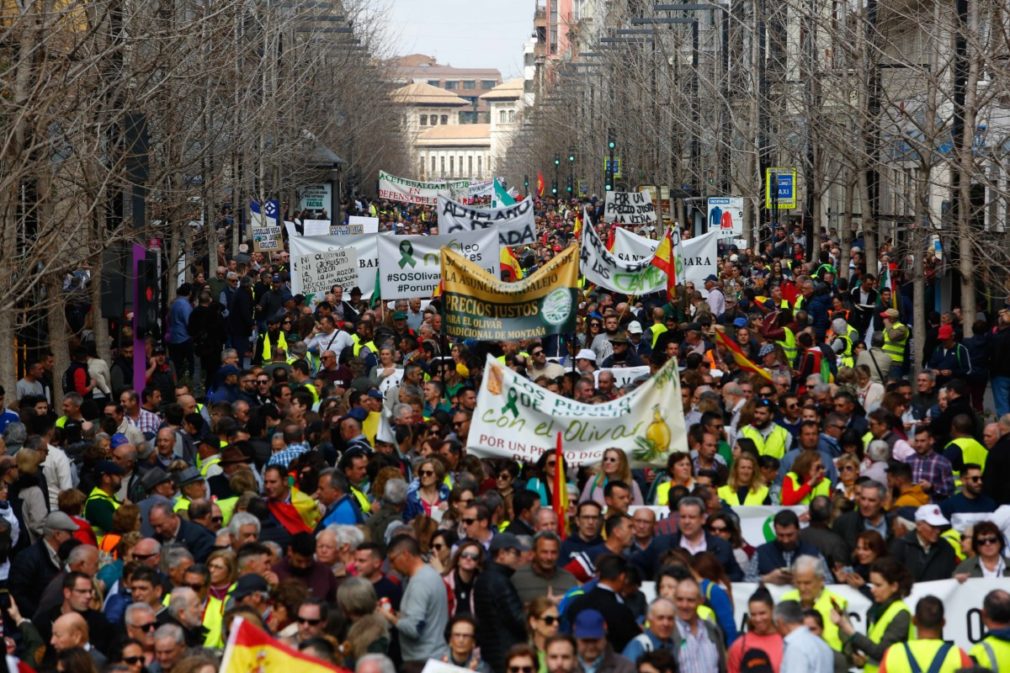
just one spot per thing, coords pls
(303, 463)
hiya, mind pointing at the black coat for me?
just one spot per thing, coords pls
(197, 539)
(240, 314)
(648, 560)
(501, 620)
(851, 524)
(31, 572)
(997, 467)
(621, 624)
(937, 564)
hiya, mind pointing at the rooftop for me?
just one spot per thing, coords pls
(422, 66)
(456, 134)
(510, 90)
(422, 93)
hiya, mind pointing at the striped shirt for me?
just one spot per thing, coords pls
(697, 654)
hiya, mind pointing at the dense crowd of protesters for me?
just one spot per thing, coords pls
(302, 463)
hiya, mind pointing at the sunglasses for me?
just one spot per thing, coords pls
(470, 555)
(465, 501)
(310, 622)
(549, 620)
(217, 519)
(150, 626)
(263, 382)
(457, 424)
(468, 522)
(196, 587)
(438, 546)
(536, 353)
(133, 661)
(610, 460)
(143, 557)
(426, 473)
(504, 476)
(973, 479)
(987, 540)
(520, 669)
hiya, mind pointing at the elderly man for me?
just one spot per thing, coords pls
(70, 631)
(660, 633)
(697, 642)
(921, 551)
(810, 593)
(804, 652)
(33, 568)
(140, 622)
(170, 527)
(185, 609)
(83, 559)
(169, 647)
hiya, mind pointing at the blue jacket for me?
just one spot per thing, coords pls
(718, 599)
(178, 321)
(414, 507)
(646, 642)
(344, 512)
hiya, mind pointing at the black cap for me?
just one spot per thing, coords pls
(249, 584)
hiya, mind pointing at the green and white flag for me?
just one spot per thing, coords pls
(501, 197)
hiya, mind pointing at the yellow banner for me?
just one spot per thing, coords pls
(479, 306)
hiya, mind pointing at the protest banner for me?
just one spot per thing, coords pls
(266, 226)
(517, 419)
(696, 257)
(479, 305)
(477, 189)
(402, 190)
(319, 271)
(315, 228)
(629, 208)
(365, 252)
(410, 266)
(601, 267)
(514, 224)
(391, 381)
(962, 604)
(315, 197)
(725, 215)
(623, 376)
(361, 225)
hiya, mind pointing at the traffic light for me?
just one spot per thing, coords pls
(526, 184)
(554, 188)
(147, 297)
(570, 188)
(571, 156)
(557, 160)
(611, 140)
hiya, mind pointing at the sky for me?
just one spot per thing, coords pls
(463, 33)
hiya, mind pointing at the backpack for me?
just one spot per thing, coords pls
(754, 659)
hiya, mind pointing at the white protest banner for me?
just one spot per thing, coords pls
(319, 271)
(477, 189)
(962, 604)
(391, 381)
(366, 253)
(629, 208)
(435, 666)
(601, 267)
(514, 224)
(392, 188)
(266, 226)
(725, 215)
(623, 376)
(517, 419)
(696, 257)
(755, 521)
(411, 266)
(315, 227)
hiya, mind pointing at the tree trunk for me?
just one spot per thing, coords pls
(59, 344)
(966, 168)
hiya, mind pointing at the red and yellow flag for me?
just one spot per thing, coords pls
(252, 649)
(540, 184)
(510, 265)
(559, 491)
(739, 357)
(665, 260)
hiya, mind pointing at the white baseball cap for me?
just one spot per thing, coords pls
(932, 515)
(586, 354)
(634, 327)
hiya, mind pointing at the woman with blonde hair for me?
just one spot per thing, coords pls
(543, 621)
(745, 486)
(613, 467)
(31, 489)
(847, 465)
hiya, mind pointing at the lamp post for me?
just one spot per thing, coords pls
(557, 167)
(571, 172)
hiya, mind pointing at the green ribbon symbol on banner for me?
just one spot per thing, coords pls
(511, 404)
(407, 254)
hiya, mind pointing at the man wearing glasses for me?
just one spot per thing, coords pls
(539, 366)
(971, 499)
(312, 616)
(78, 591)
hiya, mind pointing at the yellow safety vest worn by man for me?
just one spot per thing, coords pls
(993, 652)
(773, 445)
(823, 606)
(788, 345)
(895, 338)
(98, 510)
(929, 655)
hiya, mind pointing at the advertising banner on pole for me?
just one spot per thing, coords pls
(517, 419)
(514, 224)
(315, 197)
(365, 252)
(696, 257)
(402, 190)
(725, 215)
(629, 208)
(601, 267)
(410, 266)
(480, 306)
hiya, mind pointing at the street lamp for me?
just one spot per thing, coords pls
(557, 167)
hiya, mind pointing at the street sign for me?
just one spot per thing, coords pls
(784, 182)
(616, 166)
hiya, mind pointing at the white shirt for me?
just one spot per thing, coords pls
(335, 341)
(803, 652)
(58, 474)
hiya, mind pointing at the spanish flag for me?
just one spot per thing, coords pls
(540, 184)
(510, 265)
(559, 491)
(739, 357)
(252, 650)
(665, 260)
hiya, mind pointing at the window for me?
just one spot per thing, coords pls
(461, 164)
(480, 167)
(487, 84)
(452, 166)
(432, 164)
(512, 116)
(451, 86)
(445, 119)
(501, 117)
(424, 120)
(434, 120)
(421, 167)
(469, 163)
(434, 82)
(469, 84)
(443, 167)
